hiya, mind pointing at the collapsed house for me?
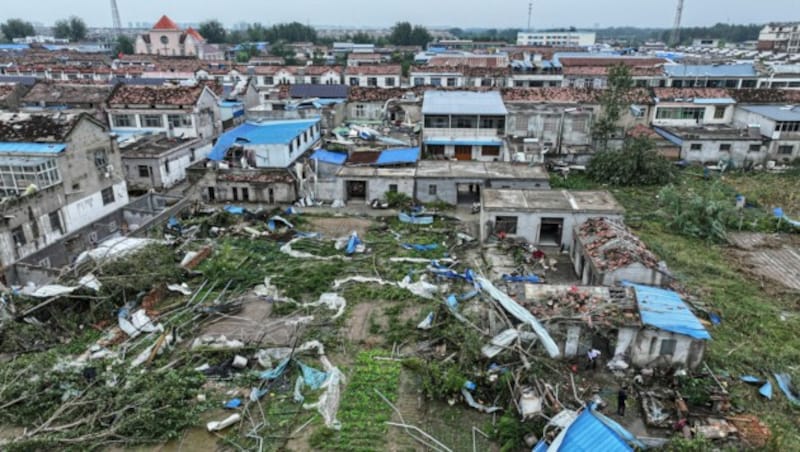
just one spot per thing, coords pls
(542, 217)
(605, 252)
(158, 161)
(641, 325)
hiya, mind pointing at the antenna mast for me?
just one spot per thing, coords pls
(530, 12)
(115, 16)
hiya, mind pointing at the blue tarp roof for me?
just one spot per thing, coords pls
(230, 103)
(669, 136)
(32, 148)
(398, 156)
(14, 46)
(325, 156)
(276, 132)
(665, 310)
(713, 101)
(710, 70)
(593, 431)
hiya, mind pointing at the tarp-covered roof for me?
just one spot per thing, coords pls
(325, 156)
(592, 431)
(276, 132)
(463, 103)
(398, 156)
(32, 148)
(665, 310)
(710, 70)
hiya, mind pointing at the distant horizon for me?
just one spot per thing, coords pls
(546, 14)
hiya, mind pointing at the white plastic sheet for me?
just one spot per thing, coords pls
(521, 314)
(114, 248)
(332, 301)
(503, 340)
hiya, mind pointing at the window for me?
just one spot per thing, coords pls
(291, 146)
(435, 150)
(192, 155)
(269, 80)
(144, 171)
(100, 159)
(785, 149)
(451, 81)
(245, 194)
(166, 166)
(793, 126)
(436, 81)
(725, 147)
(19, 236)
(719, 112)
(437, 122)
(696, 147)
(393, 188)
(465, 122)
(691, 113)
(507, 225)
(353, 81)
(490, 151)
(579, 124)
(419, 81)
(550, 124)
(668, 346)
(55, 222)
(486, 82)
(315, 80)
(372, 81)
(179, 120)
(108, 195)
(389, 81)
(123, 121)
(754, 148)
(164, 39)
(152, 121)
(432, 190)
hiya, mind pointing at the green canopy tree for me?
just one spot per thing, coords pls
(17, 28)
(637, 163)
(74, 29)
(213, 31)
(123, 45)
(613, 101)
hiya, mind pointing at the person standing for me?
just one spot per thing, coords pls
(593, 355)
(622, 397)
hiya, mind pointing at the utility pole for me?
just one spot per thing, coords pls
(676, 27)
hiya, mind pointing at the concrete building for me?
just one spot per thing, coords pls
(11, 94)
(374, 76)
(264, 186)
(398, 105)
(58, 173)
(780, 37)
(168, 39)
(159, 162)
(181, 111)
(779, 126)
(556, 38)
(605, 253)
(692, 107)
(464, 125)
(740, 75)
(46, 95)
(461, 182)
(645, 326)
(543, 217)
(712, 144)
(780, 76)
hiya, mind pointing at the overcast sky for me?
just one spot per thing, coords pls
(380, 13)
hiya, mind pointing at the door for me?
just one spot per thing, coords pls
(212, 195)
(271, 196)
(356, 189)
(463, 152)
(551, 231)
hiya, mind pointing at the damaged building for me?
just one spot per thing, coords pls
(605, 252)
(58, 173)
(643, 326)
(158, 161)
(542, 217)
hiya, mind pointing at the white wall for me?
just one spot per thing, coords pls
(708, 115)
(278, 155)
(86, 210)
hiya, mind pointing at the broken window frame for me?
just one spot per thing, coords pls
(785, 149)
(506, 224)
(179, 121)
(18, 236)
(55, 222)
(668, 347)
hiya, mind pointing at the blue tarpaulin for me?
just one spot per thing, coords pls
(766, 390)
(313, 378)
(779, 214)
(522, 278)
(398, 156)
(235, 210)
(275, 372)
(32, 148)
(275, 132)
(352, 244)
(325, 156)
(785, 383)
(411, 246)
(591, 430)
(405, 218)
(665, 310)
(233, 404)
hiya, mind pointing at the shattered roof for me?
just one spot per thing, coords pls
(567, 61)
(67, 93)
(7, 89)
(23, 127)
(489, 61)
(710, 70)
(603, 70)
(507, 200)
(598, 306)
(363, 157)
(591, 430)
(365, 94)
(765, 96)
(665, 310)
(569, 95)
(776, 112)
(611, 245)
(156, 95)
(378, 69)
(671, 94)
(264, 176)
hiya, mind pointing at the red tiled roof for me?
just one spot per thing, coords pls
(603, 70)
(568, 95)
(669, 94)
(165, 23)
(641, 130)
(156, 95)
(611, 61)
(321, 70)
(387, 69)
(195, 34)
(472, 61)
(363, 157)
(765, 96)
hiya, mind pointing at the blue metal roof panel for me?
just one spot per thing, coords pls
(589, 433)
(669, 137)
(714, 101)
(463, 103)
(665, 310)
(230, 104)
(15, 47)
(21, 79)
(710, 70)
(31, 148)
(774, 112)
(276, 132)
(325, 156)
(398, 156)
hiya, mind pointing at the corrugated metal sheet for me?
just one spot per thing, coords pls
(665, 310)
(325, 156)
(710, 70)
(32, 148)
(463, 103)
(776, 113)
(720, 101)
(592, 431)
(398, 156)
(668, 136)
(279, 132)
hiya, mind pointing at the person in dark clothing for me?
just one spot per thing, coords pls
(622, 396)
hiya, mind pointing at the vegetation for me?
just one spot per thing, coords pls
(404, 34)
(73, 29)
(613, 102)
(397, 200)
(491, 34)
(725, 32)
(637, 163)
(213, 31)
(286, 32)
(17, 28)
(124, 45)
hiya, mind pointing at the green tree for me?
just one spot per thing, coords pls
(17, 28)
(61, 29)
(256, 32)
(291, 32)
(77, 29)
(213, 31)
(401, 34)
(362, 38)
(420, 36)
(123, 45)
(637, 163)
(614, 100)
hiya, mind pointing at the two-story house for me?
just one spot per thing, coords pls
(778, 124)
(180, 111)
(464, 125)
(58, 173)
(374, 76)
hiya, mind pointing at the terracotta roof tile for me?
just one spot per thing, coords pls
(669, 94)
(20, 127)
(611, 61)
(156, 95)
(165, 23)
(765, 96)
(195, 34)
(382, 69)
(67, 93)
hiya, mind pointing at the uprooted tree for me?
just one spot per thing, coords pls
(613, 102)
(637, 163)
